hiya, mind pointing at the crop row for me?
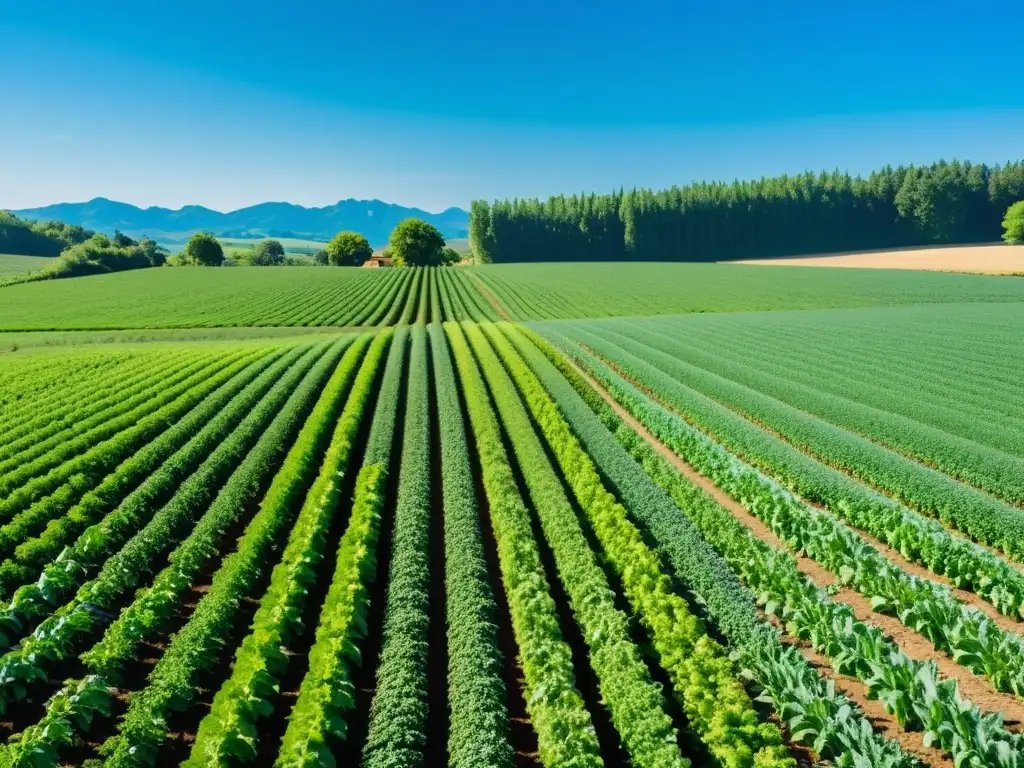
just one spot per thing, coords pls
(716, 705)
(81, 474)
(808, 704)
(918, 538)
(851, 399)
(478, 730)
(635, 703)
(38, 456)
(964, 632)
(398, 714)
(150, 472)
(57, 636)
(45, 418)
(564, 728)
(327, 693)
(910, 690)
(984, 518)
(193, 650)
(230, 730)
(26, 382)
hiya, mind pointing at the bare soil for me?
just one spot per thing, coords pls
(977, 259)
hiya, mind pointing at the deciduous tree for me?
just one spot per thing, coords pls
(202, 249)
(348, 249)
(1013, 224)
(415, 243)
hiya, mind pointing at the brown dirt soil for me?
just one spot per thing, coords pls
(977, 259)
(917, 647)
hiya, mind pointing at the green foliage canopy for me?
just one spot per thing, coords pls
(1013, 224)
(268, 253)
(946, 202)
(346, 249)
(415, 243)
(38, 238)
(202, 249)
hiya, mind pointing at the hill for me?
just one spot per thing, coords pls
(373, 218)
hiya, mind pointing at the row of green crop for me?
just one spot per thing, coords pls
(973, 639)
(33, 601)
(808, 704)
(911, 691)
(38, 456)
(150, 472)
(47, 418)
(937, 369)
(49, 469)
(82, 474)
(230, 732)
(637, 708)
(988, 520)
(28, 383)
(478, 725)
(58, 636)
(986, 468)
(565, 731)
(834, 395)
(918, 538)
(326, 695)
(397, 731)
(716, 705)
(193, 650)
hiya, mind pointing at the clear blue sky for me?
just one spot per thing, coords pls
(227, 103)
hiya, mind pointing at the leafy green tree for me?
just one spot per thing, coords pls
(415, 243)
(157, 256)
(320, 257)
(450, 256)
(268, 253)
(481, 236)
(1013, 224)
(348, 249)
(202, 249)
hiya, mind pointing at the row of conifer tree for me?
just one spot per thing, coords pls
(946, 202)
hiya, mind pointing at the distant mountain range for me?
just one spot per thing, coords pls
(375, 219)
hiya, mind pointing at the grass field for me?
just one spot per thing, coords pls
(14, 266)
(300, 517)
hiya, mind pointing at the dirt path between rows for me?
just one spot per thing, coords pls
(491, 299)
(915, 646)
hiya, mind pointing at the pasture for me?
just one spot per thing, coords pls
(525, 515)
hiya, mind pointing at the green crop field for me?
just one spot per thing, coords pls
(315, 296)
(15, 266)
(530, 515)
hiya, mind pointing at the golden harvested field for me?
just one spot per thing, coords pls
(980, 259)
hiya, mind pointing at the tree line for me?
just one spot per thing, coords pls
(946, 202)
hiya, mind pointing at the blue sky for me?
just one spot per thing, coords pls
(227, 103)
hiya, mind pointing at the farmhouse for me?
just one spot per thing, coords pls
(377, 262)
